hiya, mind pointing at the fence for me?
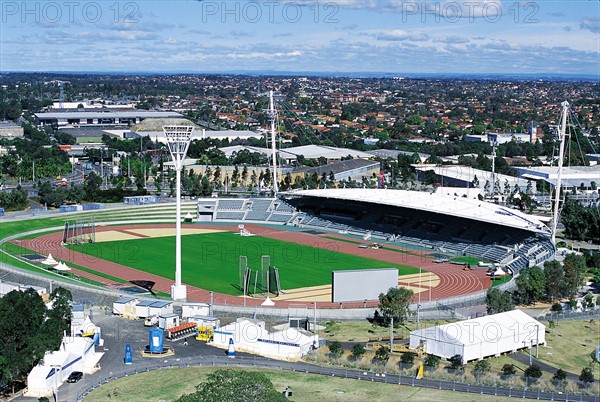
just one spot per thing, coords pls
(380, 377)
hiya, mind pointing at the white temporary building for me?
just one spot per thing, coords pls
(75, 354)
(195, 309)
(481, 337)
(125, 306)
(251, 336)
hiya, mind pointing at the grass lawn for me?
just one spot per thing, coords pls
(501, 279)
(211, 261)
(169, 384)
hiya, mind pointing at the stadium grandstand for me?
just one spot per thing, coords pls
(447, 226)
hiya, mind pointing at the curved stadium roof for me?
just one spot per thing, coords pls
(432, 202)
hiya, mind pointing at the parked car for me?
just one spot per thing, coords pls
(75, 376)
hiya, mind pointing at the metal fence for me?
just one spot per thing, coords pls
(450, 384)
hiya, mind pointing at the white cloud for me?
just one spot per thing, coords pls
(402, 35)
(592, 24)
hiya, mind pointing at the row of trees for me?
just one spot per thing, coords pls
(554, 282)
(28, 329)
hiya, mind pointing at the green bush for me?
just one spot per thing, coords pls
(336, 348)
(534, 371)
(407, 358)
(432, 361)
(508, 369)
(456, 362)
(358, 351)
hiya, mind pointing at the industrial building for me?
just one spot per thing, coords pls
(478, 338)
(104, 117)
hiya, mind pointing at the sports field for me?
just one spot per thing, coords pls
(211, 260)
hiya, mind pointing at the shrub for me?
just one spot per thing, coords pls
(407, 358)
(560, 375)
(432, 361)
(509, 369)
(586, 376)
(534, 371)
(557, 308)
(336, 348)
(382, 354)
(456, 362)
(358, 351)
(482, 367)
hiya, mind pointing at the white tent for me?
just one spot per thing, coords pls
(481, 337)
(50, 260)
(74, 354)
(251, 336)
(62, 267)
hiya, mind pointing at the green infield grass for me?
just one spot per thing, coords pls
(211, 261)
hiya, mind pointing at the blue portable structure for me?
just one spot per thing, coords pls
(156, 340)
(128, 355)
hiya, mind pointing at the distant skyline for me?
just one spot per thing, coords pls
(358, 36)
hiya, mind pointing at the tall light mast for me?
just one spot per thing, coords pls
(271, 114)
(178, 139)
(562, 134)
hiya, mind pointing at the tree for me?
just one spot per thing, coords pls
(498, 301)
(358, 351)
(394, 304)
(508, 369)
(534, 371)
(574, 266)
(21, 347)
(235, 385)
(531, 285)
(456, 362)
(560, 375)
(586, 376)
(431, 361)
(482, 367)
(336, 348)
(407, 358)
(555, 280)
(382, 354)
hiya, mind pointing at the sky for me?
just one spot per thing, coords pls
(360, 36)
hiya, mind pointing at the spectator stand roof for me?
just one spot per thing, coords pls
(432, 202)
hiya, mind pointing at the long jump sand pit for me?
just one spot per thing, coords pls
(415, 282)
(142, 233)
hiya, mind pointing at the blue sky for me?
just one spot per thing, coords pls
(396, 36)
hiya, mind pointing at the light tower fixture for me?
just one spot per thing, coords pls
(178, 140)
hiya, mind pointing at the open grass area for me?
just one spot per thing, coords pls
(169, 384)
(501, 279)
(211, 261)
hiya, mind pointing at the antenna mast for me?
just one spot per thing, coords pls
(562, 133)
(271, 113)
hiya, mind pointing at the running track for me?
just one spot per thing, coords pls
(453, 280)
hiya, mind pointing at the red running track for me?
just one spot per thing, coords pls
(453, 281)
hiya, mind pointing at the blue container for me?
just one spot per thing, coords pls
(156, 340)
(92, 206)
(1, 211)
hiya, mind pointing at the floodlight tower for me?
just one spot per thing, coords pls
(271, 114)
(178, 139)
